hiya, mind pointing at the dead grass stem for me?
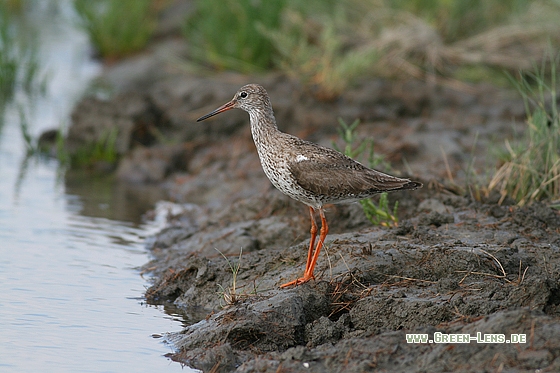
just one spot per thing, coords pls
(502, 275)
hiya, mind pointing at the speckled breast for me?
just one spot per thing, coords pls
(277, 171)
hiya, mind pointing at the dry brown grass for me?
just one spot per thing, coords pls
(531, 167)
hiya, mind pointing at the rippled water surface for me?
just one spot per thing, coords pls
(70, 288)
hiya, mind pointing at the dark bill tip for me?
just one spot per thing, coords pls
(219, 110)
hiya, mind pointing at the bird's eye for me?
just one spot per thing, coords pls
(243, 94)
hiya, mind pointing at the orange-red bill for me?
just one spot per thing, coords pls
(219, 110)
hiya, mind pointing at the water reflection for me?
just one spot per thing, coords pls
(70, 287)
(70, 246)
(111, 199)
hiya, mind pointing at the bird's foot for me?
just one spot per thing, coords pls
(299, 281)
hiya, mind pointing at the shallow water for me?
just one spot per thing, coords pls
(70, 288)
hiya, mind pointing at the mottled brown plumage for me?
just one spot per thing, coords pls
(307, 172)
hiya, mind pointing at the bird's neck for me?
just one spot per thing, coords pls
(263, 126)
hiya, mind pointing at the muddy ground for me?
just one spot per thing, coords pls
(458, 262)
(453, 266)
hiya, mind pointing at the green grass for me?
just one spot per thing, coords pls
(328, 49)
(320, 45)
(330, 45)
(102, 151)
(354, 148)
(19, 62)
(380, 213)
(325, 61)
(458, 19)
(531, 167)
(117, 28)
(30, 143)
(223, 33)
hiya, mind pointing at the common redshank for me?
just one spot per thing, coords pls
(307, 172)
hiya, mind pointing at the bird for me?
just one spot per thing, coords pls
(307, 172)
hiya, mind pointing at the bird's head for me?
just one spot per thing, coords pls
(249, 97)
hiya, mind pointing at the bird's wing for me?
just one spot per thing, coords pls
(324, 171)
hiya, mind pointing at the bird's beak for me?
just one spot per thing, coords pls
(221, 109)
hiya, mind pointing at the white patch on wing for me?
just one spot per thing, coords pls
(301, 158)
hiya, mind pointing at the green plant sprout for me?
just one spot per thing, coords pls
(30, 143)
(377, 214)
(103, 150)
(230, 295)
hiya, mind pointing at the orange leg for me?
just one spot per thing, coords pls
(324, 231)
(313, 232)
(313, 253)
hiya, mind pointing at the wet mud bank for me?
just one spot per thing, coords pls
(453, 265)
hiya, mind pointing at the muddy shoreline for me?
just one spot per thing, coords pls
(455, 264)
(456, 267)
